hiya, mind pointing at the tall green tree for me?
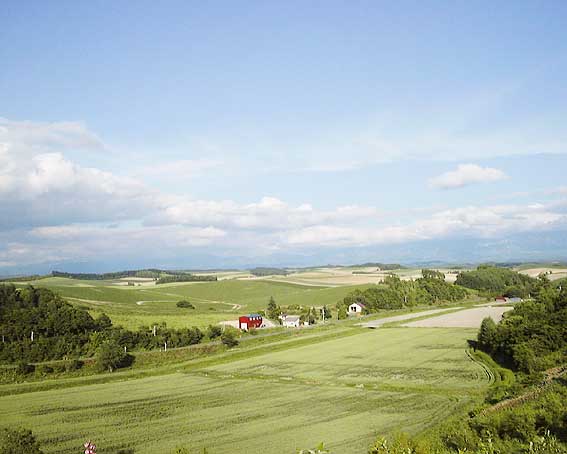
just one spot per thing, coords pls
(273, 311)
(110, 356)
(487, 335)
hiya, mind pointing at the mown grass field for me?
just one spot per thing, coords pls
(133, 307)
(341, 390)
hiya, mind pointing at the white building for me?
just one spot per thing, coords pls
(356, 309)
(291, 321)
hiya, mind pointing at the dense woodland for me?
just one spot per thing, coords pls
(493, 281)
(63, 331)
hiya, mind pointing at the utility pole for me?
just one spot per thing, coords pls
(32, 336)
(154, 330)
(165, 346)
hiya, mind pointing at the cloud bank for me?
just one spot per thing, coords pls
(54, 210)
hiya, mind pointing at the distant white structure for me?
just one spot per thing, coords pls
(507, 299)
(291, 321)
(356, 309)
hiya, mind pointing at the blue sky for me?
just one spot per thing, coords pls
(230, 133)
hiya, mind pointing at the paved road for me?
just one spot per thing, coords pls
(397, 318)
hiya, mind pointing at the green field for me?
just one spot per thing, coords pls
(342, 390)
(133, 307)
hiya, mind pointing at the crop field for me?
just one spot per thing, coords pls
(344, 391)
(214, 302)
(354, 276)
(553, 273)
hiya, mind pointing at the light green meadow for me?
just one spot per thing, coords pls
(344, 391)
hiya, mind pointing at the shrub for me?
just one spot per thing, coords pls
(73, 364)
(110, 356)
(18, 441)
(185, 304)
(228, 338)
(214, 331)
(43, 369)
(24, 368)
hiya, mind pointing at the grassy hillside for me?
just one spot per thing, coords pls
(137, 306)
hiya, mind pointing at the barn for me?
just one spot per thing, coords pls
(245, 322)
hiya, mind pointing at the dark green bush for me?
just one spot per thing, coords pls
(18, 441)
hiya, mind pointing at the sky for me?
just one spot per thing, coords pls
(221, 134)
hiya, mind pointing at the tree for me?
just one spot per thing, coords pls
(341, 312)
(110, 356)
(185, 304)
(273, 311)
(487, 335)
(432, 274)
(18, 441)
(326, 313)
(103, 322)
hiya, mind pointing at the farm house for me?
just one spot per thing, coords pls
(291, 321)
(356, 309)
(245, 322)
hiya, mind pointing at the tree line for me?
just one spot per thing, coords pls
(186, 277)
(396, 294)
(37, 325)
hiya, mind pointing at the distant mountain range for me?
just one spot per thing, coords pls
(521, 248)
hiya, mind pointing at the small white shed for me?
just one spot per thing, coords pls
(356, 309)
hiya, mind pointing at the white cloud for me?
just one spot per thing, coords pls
(465, 175)
(469, 221)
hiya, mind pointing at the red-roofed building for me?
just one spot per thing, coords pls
(246, 322)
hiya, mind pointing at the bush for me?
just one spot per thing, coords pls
(18, 441)
(24, 368)
(43, 369)
(73, 364)
(228, 338)
(400, 444)
(185, 304)
(58, 368)
(110, 356)
(214, 331)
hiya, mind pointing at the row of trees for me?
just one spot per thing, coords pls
(186, 277)
(396, 294)
(149, 273)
